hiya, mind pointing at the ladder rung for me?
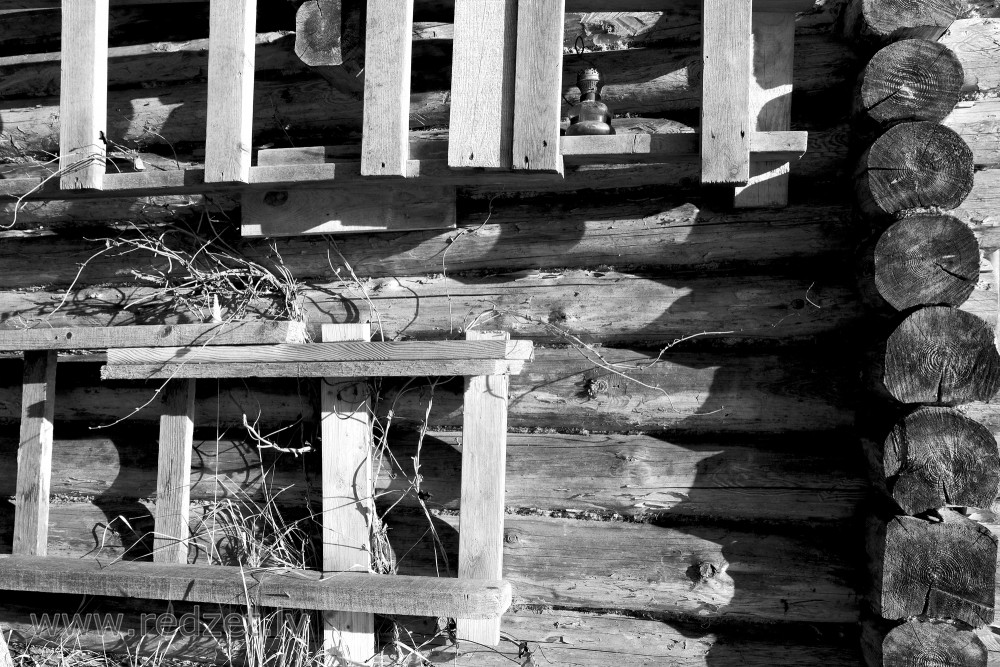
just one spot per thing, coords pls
(297, 589)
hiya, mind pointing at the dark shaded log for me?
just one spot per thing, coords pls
(942, 355)
(935, 457)
(923, 642)
(926, 260)
(914, 165)
(911, 80)
(881, 21)
(942, 569)
(673, 479)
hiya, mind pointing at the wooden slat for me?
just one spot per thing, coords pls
(292, 589)
(168, 335)
(385, 137)
(34, 454)
(484, 469)
(445, 350)
(444, 368)
(379, 208)
(173, 474)
(770, 106)
(538, 88)
(83, 99)
(650, 147)
(348, 505)
(482, 84)
(727, 59)
(231, 36)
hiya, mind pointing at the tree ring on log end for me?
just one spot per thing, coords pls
(933, 642)
(914, 165)
(945, 569)
(911, 80)
(942, 355)
(888, 20)
(926, 259)
(936, 457)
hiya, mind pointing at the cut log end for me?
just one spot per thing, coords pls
(923, 642)
(941, 569)
(942, 355)
(936, 457)
(911, 80)
(914, 165)
(926, 260)
(884, 21)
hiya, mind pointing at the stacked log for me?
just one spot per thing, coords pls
(933, 568)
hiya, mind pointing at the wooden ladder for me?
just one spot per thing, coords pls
(506, 99)
(345, 590)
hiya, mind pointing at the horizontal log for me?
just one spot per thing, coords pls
(972, 40)
(295, 589)
(583, 639)
(596, 306)
(102, 338)
(733, 391)
(979, 127)
(695, 571)
(673, 478)
(662, 232)
(323, 360)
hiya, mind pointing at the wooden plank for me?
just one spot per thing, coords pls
(770, 106)
(167, 335)
(344, 350)
(763, 145)
(34, 454)
(231, 37)
(272, 587)
(173, 476)
(727, 58)
(484, 469)
(304, 369)
(538, 87)
(386, 129)
(482, 84)
(348, 211)
(83, 100)
(348, 505)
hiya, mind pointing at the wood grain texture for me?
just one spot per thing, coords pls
(168, 335)
(942, 355)
(173, 476)
(770, 107)
(764, 146)
(740, 477)
(727, 60)
(927, 259)
(386, 130)
(482, 85)
(348, 502)
(34, 454)
(910, 80)
(330, 349)
(83, 100)
(914, 165)
(484, 468)
(945, 569)
(928, 641)
(231, 53)
(294, 589)
(347, 210)
(935, 457)
(538, 87)
(883, 21)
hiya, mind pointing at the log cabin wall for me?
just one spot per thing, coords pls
(684, 483)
